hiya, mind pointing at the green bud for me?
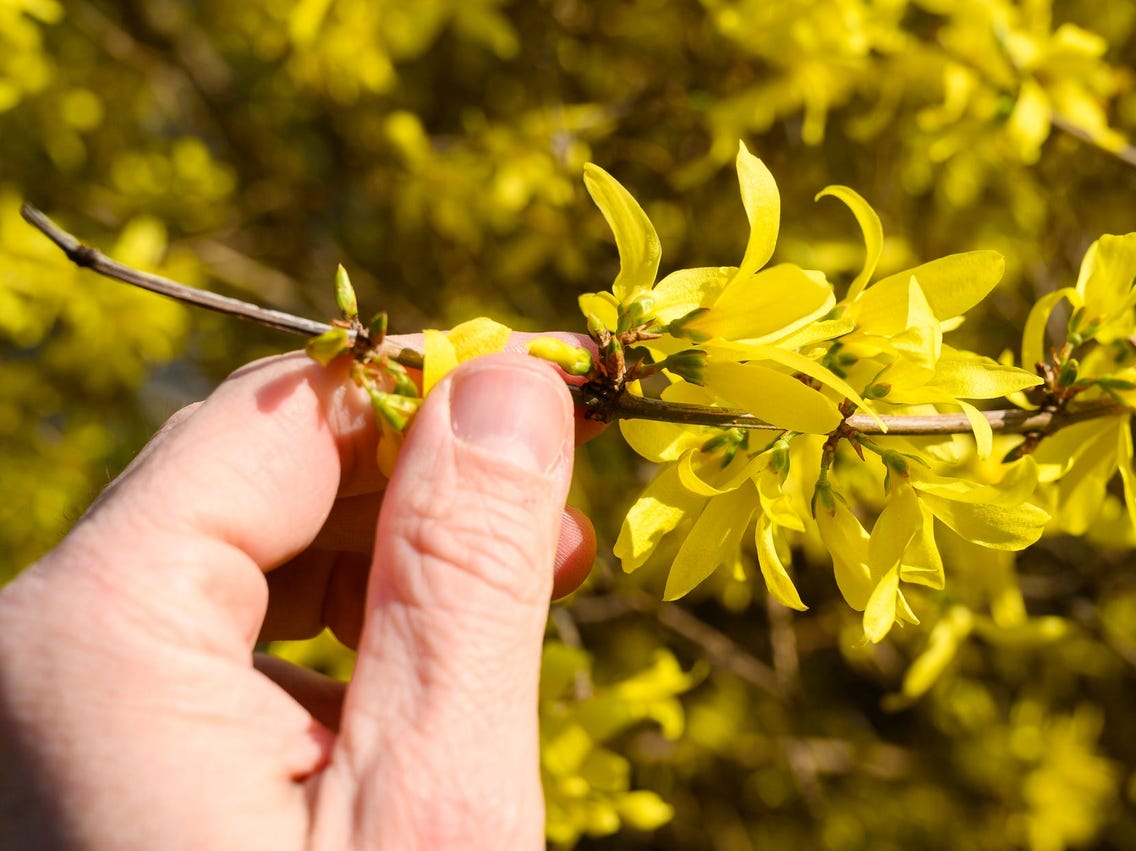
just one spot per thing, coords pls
(574, 360)
(779, 457)
(638, 310)
(894, 462)
(678, 327)
(329, 345)
(345, 294)
(877, 391)
(596, 328)
(377, 327)
(687, 364)
(1067, 377)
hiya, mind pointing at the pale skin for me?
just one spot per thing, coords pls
(132, 714)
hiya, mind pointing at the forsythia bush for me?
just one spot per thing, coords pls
(971, 160)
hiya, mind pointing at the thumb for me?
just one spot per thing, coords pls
(438, 746)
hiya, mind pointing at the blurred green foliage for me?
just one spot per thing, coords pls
(436, 149)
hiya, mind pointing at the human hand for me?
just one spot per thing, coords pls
(131, 714)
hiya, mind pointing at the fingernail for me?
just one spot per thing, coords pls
(517, 413)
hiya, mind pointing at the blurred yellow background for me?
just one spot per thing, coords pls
(436, 148)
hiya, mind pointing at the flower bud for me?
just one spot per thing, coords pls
(574, 360)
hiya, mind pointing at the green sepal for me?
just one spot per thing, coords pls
(395, 409)
(403, 384)
(894, 462)
(779, 457)
(345, 294)
(329, 345)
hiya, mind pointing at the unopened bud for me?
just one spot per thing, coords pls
(681, 327)
(345, 294)
(574, 360)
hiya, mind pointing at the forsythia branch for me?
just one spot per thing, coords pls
(1007, 420)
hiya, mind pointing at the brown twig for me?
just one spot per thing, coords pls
(88, 257)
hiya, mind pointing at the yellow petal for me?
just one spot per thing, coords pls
(712, 540)
(879, 613)
(635, 236)
(942, 645)
(951, 284)
(1082, 489)
(1029, 122)
(777, 578)
(873, 231)
(702, 472)
(1127, 475)
(894, 529)
(660, 441)
(816, 332)
(438, 358)
(847, 543)
(775, 503)
(966, 376)
(922, 562)
(1107, 271)
(806, 366)
(1015, 486)
(774, 302)
(681, 292)
(660, 508)
(1034, 350)
(1000, 527)
(603, 306)
(477, 337)
(763, 209)
(773, 396)
(983, 433)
